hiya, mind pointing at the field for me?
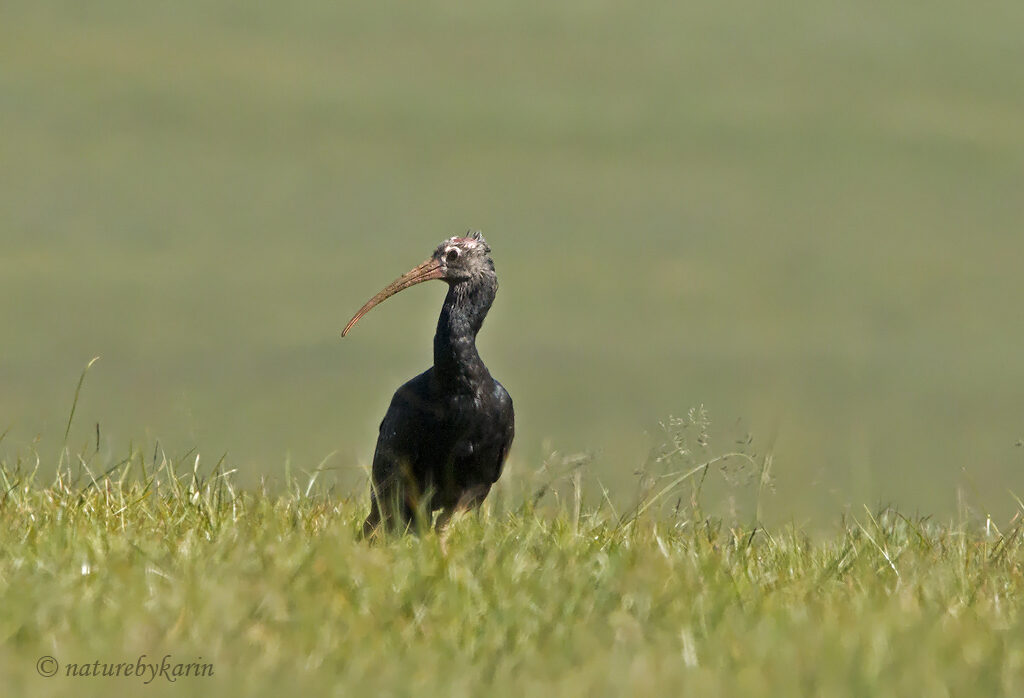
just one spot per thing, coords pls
(805, 216)
(798, 222)
(275, 595)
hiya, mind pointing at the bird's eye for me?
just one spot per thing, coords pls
(452, 254)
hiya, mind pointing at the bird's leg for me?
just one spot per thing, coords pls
(470, 499)
(442, 527)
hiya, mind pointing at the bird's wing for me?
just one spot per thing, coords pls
(506, 426)
(401, 432)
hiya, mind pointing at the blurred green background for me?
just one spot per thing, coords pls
(805, 215)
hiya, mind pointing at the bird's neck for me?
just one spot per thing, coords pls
(456, 361)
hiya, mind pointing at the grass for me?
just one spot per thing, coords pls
(537, 595)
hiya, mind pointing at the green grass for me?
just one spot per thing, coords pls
(537, 595)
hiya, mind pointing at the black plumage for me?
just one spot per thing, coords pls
(445, 437)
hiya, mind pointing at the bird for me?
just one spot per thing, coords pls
(447, 433)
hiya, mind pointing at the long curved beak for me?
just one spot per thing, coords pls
(430, 269)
